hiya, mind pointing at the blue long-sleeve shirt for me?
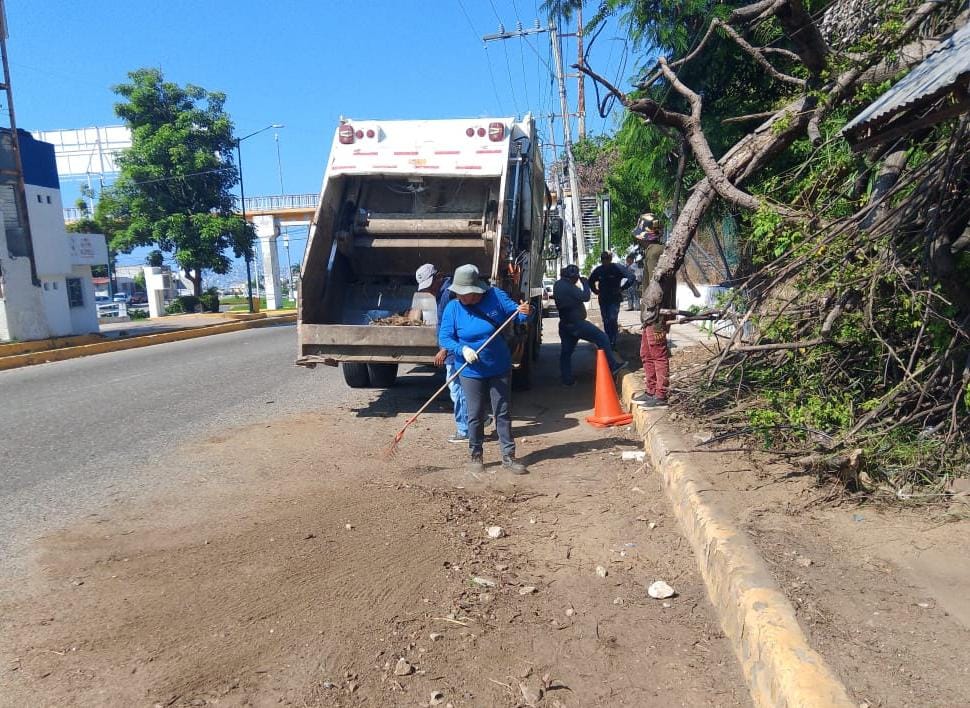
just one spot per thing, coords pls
(469, 326)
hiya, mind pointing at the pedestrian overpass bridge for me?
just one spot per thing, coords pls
(268, 215)
(287, 209)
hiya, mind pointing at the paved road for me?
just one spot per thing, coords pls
(77, 433)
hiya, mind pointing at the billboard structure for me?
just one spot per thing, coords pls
(83, 152)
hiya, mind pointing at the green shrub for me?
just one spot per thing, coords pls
(183, 303)
(210, 300)
(138, 314)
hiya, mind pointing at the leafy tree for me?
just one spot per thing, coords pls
(174, 186)
(155, 259)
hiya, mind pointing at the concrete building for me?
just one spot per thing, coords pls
(45, 280)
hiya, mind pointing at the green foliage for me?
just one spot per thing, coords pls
(210, 300)
(173, 191)
(183, 303)
(155, 259)
(138, 314)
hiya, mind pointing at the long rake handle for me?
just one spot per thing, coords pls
(458, 372)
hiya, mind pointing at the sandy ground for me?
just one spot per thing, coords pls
(298, 567)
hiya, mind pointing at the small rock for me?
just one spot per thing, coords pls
(633, 456)
(349, 527)
(570, 612)
(618, 601)
(437, 698)
(660, 590)
(351, 686)
(500, 567)
(434, 636)
(77, 583)
(804, 562)
(924, 605)
(601, 571)
(305, 538)
(403, 668)
(667, 605)
(527, 590)
(483, 582)
(495, 532)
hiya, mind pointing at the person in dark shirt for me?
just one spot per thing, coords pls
(571, 292)
(606, 281)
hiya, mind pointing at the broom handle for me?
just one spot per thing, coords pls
(462, 368)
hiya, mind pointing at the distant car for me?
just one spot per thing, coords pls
(139, 299)
(547, 302)
(102, 299)
(121, 297)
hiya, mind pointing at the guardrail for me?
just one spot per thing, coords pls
(282, 202)
(112, 309)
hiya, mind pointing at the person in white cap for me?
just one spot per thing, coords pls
(468, 321)
(435, 283)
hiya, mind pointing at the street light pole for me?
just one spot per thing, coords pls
(242, 205)
(289, 267)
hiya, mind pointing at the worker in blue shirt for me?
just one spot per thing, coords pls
(477, 311)
(437, 284)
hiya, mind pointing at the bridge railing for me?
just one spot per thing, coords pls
(279, 202)
(282, 202)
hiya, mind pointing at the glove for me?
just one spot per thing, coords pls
(470, 356)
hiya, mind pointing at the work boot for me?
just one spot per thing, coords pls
(475, 463)
(509, 462)
(643, 398)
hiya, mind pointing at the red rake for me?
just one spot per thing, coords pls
(391, 449)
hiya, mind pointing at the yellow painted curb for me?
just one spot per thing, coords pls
(38, 345)
(115, 345)
(780, 667)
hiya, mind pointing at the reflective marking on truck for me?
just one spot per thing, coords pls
(488, 152)
(359, 152)
(447, 152)
(428, 167)
(385, 167)
(345, 167)
(406, 153)
(468, 167)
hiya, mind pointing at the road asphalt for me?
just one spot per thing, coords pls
(77, 434)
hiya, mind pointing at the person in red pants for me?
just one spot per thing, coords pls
(654, 352)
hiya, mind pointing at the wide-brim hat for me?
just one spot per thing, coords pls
(467, 281)
(425, 276)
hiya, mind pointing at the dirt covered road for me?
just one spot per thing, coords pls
(298, 567)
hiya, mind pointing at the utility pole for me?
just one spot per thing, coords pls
(580, 77)
(568, 148)
(577, 210)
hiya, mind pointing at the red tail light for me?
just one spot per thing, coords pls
(481, 132)
(496, 132)
(346, 134)
(470, 132)
(370, 133)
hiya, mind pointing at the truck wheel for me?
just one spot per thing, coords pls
(382, 375)
(355, 374)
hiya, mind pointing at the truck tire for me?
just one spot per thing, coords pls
(382, 375)
(355, 374)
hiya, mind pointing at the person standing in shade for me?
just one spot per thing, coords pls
(654, 352)
(633, 293)
(477, 311)
(607, 282)
(436, 284)
(571, 293)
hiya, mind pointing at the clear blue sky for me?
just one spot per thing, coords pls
(301, 63)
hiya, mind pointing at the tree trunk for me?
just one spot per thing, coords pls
(746, 157)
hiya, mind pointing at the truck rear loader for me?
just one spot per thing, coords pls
(396, 195)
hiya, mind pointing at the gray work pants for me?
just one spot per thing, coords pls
(497, 391)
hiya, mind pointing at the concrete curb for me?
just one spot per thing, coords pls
(114, 345)
(780, 667)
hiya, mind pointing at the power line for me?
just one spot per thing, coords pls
(488, 59)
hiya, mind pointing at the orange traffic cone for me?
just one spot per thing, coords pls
(607, 411)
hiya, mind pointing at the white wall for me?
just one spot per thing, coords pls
(21, 309)
(54, 297)
(51, 248)
(84, 319)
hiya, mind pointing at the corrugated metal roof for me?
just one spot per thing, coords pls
(939, 71)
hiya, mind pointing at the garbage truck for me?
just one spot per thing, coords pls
(398, 194)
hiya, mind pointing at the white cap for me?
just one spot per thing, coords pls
(425, 276)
